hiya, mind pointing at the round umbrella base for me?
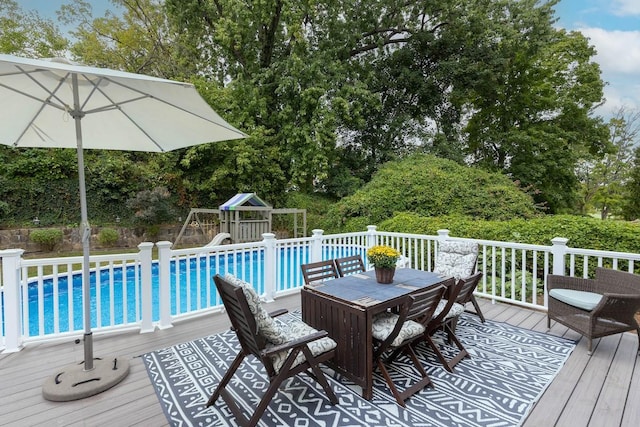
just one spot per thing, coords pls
(73, 382)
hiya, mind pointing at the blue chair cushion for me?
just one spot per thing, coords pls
(581, 299)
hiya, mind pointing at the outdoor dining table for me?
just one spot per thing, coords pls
(345, 307)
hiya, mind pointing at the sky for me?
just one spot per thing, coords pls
(612, 27)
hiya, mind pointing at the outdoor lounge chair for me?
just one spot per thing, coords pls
(349, 265)
(284, 351)
(446, 318)
(395, 333)
(458, 259)
(317, 272)
(597, 307)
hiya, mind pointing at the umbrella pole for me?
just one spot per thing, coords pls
(85, 229)
(93, 376)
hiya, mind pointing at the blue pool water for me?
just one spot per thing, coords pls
(125, 294)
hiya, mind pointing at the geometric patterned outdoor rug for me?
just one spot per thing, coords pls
(508, 371)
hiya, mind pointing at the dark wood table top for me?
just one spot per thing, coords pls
(363, 290)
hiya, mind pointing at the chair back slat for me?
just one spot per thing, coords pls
(242, 320)
(317, 272)
(468, 286)
(349, 265)
(426, 301)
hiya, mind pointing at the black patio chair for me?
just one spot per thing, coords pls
(458, 259)
(284, 352)
(349, 265)
(394, 332)
(446, 317)
(316, 272)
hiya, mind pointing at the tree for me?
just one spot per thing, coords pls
(139, 40)
(631, 209)
(604, 177)
(530, 115)
(329, 91)
(28, 34)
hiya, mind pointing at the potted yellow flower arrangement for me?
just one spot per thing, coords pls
(384, 260)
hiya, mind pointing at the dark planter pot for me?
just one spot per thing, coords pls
(385, 275)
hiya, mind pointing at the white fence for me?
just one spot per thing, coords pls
(42, 298)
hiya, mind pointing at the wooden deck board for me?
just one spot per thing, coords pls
(602, 389)
(632, 417)
(608, 409)
(587, 391)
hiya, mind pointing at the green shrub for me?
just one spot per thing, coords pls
(430, 186)
(582, 232)
(152, 207)
(47, 238)
(108, 237)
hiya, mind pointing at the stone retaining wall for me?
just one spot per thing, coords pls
(18, 238)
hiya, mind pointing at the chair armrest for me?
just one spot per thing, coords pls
(617, 306)
(278, 312)
(295, 343)
(574, 283)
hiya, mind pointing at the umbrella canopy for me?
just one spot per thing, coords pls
(119, 110)
(58, 104)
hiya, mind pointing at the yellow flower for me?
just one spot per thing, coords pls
(383, 256)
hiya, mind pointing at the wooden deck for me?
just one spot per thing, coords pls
(601, 390)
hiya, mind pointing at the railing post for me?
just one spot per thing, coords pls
(11, 283)
(146, 287)
(371, 235)
(316, 245)
(443, 235)
(164, 283)
(559, 250)
(270, 262)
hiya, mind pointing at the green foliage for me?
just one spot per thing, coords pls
(28, 34)
(47, 238)
(108, 237)
(328, 92)
(316, 205)
(604, 178)
(631, 209)
(513, 287)
(152, 207)
(533, 100)
(582, 232)
(430, 186)
(44, 183)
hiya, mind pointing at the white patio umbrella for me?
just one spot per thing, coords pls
(58, 104)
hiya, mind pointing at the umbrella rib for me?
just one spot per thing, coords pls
(43, 102)
(177, 107)
(51, 94)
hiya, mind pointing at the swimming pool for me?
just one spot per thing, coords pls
(115, 293)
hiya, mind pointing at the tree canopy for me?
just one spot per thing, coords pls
(329, 91)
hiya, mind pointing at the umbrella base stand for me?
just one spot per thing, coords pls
(73, 382)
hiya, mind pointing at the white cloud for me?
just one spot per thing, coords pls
(618, 51)
(626, 7)
(620, 94)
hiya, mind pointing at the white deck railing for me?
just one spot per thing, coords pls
(39, 304)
